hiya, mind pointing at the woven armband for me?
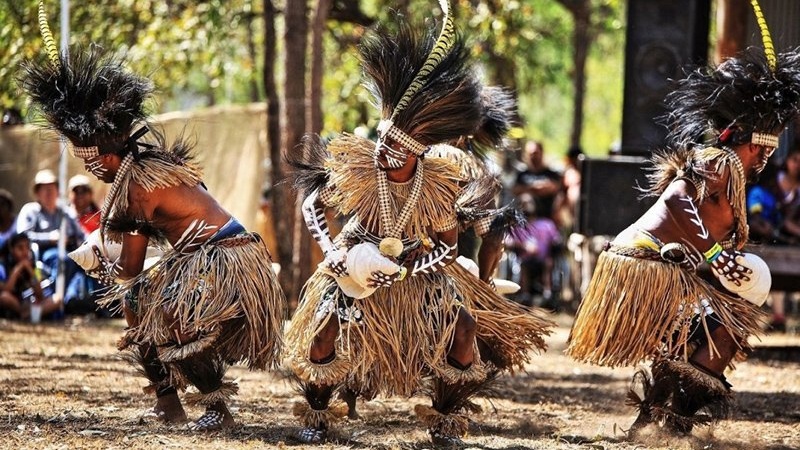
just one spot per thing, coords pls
(713, 253)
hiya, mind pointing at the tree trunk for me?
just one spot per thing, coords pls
(251, 53)
(732, 26)
(581, 39)
(315, 117)
(282, 197)
(294, 126)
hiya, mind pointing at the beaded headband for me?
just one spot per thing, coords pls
(765, 139)
(85, 152)
(386, 129)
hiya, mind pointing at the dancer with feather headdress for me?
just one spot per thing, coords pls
(212, 299)
(646, 299)
(384, 313)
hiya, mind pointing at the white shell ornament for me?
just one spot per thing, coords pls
(756, 290)
(84, 255)
(362, 260)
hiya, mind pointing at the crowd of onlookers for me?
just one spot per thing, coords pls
(32, 266)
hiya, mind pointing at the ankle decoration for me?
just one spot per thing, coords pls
(222, 394)
(319, 419)
(331, 372)
(452, 424)
(452, 375)
(210, 420)
(682, 396)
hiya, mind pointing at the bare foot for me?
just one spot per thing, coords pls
(168, 409)
(349, 397)
(216, 417)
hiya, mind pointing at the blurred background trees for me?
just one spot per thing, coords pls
(562, 58)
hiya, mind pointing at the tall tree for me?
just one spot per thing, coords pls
(732, 28)
(294, 127)
(282, 200)
(582, 34)
(315, 118)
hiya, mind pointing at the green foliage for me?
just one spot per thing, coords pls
(204, 52)
(195, 51)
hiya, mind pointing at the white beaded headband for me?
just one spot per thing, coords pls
(386, 129)
(765, 139)
(85, 152)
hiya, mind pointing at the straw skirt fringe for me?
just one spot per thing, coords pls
(635, 309)
(404, 333)
(511, 330)
(226, 288)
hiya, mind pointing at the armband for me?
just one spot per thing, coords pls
(713, 253)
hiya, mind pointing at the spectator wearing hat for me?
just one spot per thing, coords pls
(82, 202)
(8, 219)
(41, 220)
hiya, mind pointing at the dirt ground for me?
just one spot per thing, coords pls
(63, 387)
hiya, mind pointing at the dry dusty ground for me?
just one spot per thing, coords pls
(64, 388)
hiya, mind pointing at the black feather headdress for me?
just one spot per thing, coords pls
(726, 104)
(439, 107)
(89, 97)
(499, 113)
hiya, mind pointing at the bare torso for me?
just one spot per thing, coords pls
(172, 211)
(673, 217)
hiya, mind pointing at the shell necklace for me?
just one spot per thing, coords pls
(391, 245)
(115, 186)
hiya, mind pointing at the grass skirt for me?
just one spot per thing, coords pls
(225, 290)
(510, 330)
(636, 309)
(403, 334)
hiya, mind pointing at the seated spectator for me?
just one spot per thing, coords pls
(24, 286)
(534, 243)
(82, 202)
(538, 180)
(767, 224)
(789, 190)
(41, 220)
(8, 219)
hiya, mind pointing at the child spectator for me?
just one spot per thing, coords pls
(534, 243)
(25, 290)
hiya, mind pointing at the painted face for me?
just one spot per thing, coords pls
(763, 158)
(389, 158)
(97, 167)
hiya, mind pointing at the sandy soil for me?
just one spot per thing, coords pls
(65, 388)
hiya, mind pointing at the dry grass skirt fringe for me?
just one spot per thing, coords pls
(636, 309)
(225, 289)
(511, 330)
(405, 333)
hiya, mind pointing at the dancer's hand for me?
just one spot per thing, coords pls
(380, 279)
(728, 266)
(335, 260)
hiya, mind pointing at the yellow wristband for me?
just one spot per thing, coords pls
(403, 272)
(713, 253)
